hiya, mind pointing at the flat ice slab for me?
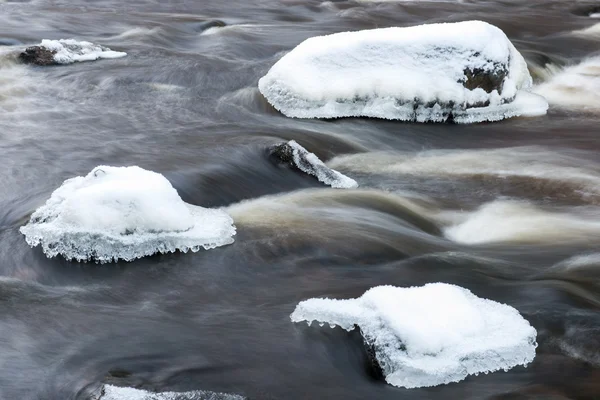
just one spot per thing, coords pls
(110, 392)
(69, 51)
(466, 72)
(430, 335)
(123, 213)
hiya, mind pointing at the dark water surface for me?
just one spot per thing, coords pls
(509, 210)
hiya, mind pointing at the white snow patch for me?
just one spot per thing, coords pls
(311, 164)
(413, 73)
(125, 393)
(575, 87)
(123, 213)
(430, 335)
(69, 51)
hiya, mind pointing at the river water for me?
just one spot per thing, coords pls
(509, 210)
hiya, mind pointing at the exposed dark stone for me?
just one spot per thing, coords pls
(9, 42)
(38, 55)
(283, 154)
(486, 80)
(215, 23)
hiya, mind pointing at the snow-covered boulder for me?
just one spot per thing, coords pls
(296, 156)
(123, 213)
(109, 392)
(430, 335)
(466, 72)
(66, 51)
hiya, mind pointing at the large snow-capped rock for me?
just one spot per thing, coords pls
(466, 72)
(430, 335)
(109, 392)
(296, 156)
(123, 213)
(66, 51)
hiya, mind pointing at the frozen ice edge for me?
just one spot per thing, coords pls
(69, 51)
(425, 356)
(110, 392)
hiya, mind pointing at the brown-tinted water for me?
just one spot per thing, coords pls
(509, 210)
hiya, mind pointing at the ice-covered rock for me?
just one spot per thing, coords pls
(430, 335)
(298, 157)
(123, 213)
(110, 392)
(466, 72)
(66, 51)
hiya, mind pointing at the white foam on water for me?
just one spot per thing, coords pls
(311, 164)
(505, 221)
(69, 51)
(595, 15)
(590, 32)
(123, 213)
(576, 87)
(387, 73)
(111, 392)
(430, 335)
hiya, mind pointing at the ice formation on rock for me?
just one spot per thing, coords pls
(298, 157)
(66, 51)
(430, 335)
(123, 213)
(466, 72)
(110, 392)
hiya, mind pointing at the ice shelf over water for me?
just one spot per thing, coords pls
(466, 72)
(430, 335)
(123, 213)
(110, 392)
(69, 51)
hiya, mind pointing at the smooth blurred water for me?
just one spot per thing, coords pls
(523, 192)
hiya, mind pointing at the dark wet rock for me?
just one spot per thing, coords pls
(38, 55)
(214, 23)
(372, 363)
(586, 10)
(297, 157)
(488, 80)
(9, 42)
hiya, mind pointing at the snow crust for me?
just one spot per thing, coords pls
(311, 164)
(123, 393)
(413, 74)
(69, 51)
(430, 335)
(123, 213)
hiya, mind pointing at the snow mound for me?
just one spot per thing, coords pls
(466, 72)
(311, 164)
(110, 392)
(430, 335)
(123, 213)
(68, 51)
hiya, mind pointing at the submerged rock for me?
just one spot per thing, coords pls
(9, 42)
(429, 335)
(297, 157)
(66, 51)
(110, 392)
(123, 213)
(464, 72)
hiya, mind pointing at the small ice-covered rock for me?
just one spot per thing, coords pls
(466, 71)
(66, 51)
(298, 157)
(430, 335)
(110, 392)
(123, 213)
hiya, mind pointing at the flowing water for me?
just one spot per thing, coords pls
(509, 210)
